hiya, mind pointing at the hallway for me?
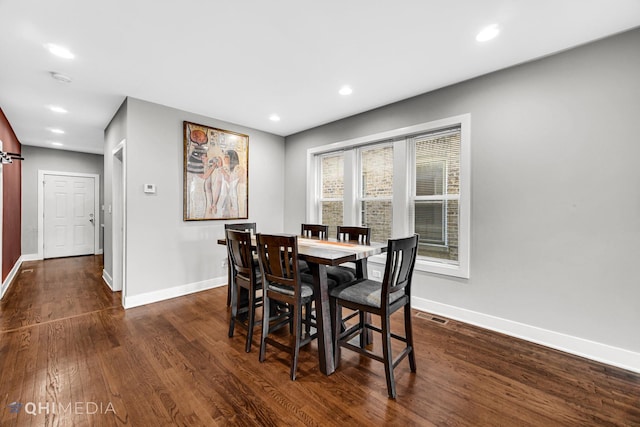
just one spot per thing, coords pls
(55, 289)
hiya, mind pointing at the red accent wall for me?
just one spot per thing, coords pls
(11, 199)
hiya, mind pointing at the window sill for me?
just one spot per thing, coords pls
(429, 266)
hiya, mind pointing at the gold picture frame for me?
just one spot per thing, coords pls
(216, 173)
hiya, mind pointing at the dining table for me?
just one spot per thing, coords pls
(318, 254)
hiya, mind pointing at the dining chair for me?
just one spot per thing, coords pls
(381, 299)
(277, 256)
(242, 226)
(361, 235)
(358, 235)
(343, 274)
(335, 274)
(244, 265)
(314, 230)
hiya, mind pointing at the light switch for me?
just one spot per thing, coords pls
(150, 188)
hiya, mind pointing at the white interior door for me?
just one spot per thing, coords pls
(69, 217)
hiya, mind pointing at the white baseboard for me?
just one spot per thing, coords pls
(599, 352)
(31, 257)
(12, 274)
(38, 257)
(107, 279)
(177, 291)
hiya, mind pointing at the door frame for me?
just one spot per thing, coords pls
(96, 209)
(119, 220)
(2, 288)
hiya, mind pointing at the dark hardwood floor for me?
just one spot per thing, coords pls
(71, 356)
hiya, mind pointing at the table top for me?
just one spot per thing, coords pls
(333, 251)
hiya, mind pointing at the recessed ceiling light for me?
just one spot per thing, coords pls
(57, 144)
(345, 90)
(60, 77)
(274, 118)
(57, 109)
(58, 131)
(488, 33)
(59, 51)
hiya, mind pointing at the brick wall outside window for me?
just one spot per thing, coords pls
(377, 181)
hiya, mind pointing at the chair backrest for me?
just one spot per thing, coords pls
(361, 235)
(315, 230)
(240, 254)
(242, 226)
(278, 258)
(401, 259)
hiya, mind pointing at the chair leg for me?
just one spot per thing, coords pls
(364, 331)
(364, 319)
(251, 318)
(336, 324)
(229, 280)
(234, 307)
(409, 336)
(387, 355)
(297, 320)
(307, 318)
(368, 333)
(291, 324)
(265, 325)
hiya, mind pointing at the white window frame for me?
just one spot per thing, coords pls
(402, 186)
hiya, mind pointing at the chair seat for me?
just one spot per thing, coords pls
(307, 278)
(366, 292)
(342, 275)
(302, 265)
(306, 290)
(258, 276)
(336, 276)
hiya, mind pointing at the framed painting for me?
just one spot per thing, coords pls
(216, 166)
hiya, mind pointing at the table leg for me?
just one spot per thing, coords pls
(361, 269)
(323, 318)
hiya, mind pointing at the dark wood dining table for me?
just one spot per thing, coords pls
(319, 254)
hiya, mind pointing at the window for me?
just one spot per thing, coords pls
(331, 198)
(436, 195)
(409, 180)
(376, 190)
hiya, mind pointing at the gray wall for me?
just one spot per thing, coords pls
(37, 158)
(163, 251)
(555, 213)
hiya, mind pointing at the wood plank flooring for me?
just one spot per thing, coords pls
(71, 356)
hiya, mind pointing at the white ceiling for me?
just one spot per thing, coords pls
(241, 61)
